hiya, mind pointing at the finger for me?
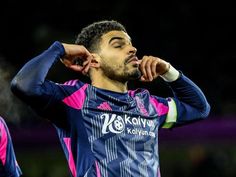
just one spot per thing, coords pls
(65, 62)
(85, 63)
(154, 68)
(62, 61)
(142, 66)
(77, 68)
(143, 79)
(148, 69)
(85, 53)
(86, 68)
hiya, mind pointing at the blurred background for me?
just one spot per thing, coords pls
(197, 37)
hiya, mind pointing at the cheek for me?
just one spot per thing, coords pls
(115, 62)
(113, 59)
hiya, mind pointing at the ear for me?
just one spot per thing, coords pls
(95, 63)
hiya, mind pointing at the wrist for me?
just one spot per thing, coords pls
(171, 75)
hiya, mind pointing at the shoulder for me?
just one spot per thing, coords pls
(72, 84)
(70, 87)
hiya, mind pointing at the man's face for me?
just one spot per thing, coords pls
(118, 57)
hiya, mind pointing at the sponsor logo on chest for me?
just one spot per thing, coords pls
(131, 125)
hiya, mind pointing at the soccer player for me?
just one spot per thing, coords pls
(104, 128)
(8, 164)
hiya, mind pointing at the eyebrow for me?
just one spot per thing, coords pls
(113, 38)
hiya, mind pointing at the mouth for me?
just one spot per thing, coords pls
(133, 59)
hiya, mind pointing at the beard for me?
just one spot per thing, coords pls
(127, 74)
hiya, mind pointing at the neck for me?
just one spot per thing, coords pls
(108, 84)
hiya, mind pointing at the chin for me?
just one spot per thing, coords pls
(135, 75)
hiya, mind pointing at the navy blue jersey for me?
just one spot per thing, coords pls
(8, 163)
(105, 133)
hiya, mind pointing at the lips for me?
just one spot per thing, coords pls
(133, 59)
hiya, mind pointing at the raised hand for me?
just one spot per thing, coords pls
(151, 67)
(77, 58)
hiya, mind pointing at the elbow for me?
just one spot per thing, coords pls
(14, 85)
(24, 88)
(205, 111)
(18, 87)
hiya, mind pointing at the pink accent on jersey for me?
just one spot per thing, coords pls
(3, 143)
(160, 107)
(71, 159)
(71, 82)
(97, 169)
(131, 93)
(105, 106)
(141, 106)
(76, 100)
(158, 172)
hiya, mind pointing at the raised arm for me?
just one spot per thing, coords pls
(44, 96)
(30, 80)
(189, 102)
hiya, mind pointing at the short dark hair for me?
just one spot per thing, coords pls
(90, 36)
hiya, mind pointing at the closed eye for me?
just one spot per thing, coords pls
(118, 44)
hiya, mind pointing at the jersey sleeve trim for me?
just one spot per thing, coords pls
(171, 115)
(3, 143)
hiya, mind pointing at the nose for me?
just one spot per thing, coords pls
(132, 50)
